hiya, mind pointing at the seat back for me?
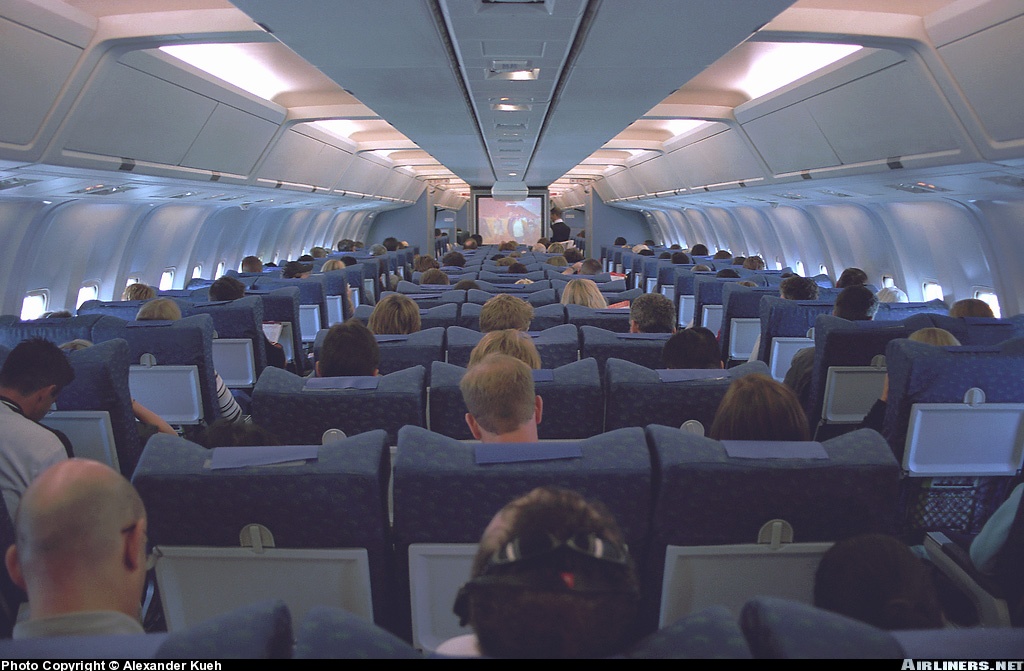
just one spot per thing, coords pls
(739, 302)
(282, 305)
(305, 525)
(609, 319)
(786, 318)
(399, 352)
(640, 348)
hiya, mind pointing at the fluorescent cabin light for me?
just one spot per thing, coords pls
(782, 63)
(233, 64)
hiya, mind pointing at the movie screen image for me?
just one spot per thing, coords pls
(503, 220)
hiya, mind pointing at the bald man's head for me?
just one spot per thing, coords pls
(80, 532)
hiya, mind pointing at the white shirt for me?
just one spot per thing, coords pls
(86, 623)
(26, 450)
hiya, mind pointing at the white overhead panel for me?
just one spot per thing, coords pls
(500, 90)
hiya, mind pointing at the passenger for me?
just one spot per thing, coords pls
(517, 269)
(851, 277)
(756, 407)
(378, 250)
(332, 265)
(620, 241)
(164, 309)
(583, 292)
(573, 256)
(892, 295)
(877, 579)
(695, 347)
(138, 292)
(747, 283)
(679, 258)
(435, 276)
(390, 243)
(505, 311)
(500, 399)
(699, 250)
(508, 246)
(557, 262)
(252, 264)
(971, 307)
(552, 578)
(665, 256)
(739, 260)
(235, 434)
(855, 303)
(514, 343)
(796, 288)
(349, 349)
(423, 262)
(395, 314)
(988, 547)
(318, 252)
(556, 248)
(645, 252)
(722, 255)
(639, 248)
(754, 263)
(701, 268)
(31, 379)
(469, 244)
(590, 267)
(345, 245)
(466, 285)
(80, 552)
(453, 260)
(728, 273)
(525, 280)
(297, 270)
(559, 229)
(929, 336)
(506, 262)
(652, 313)
(540, 247)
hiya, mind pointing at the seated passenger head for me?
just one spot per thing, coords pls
(796, 288)
(620, 241)
(349, 260)
(935, 336)
(695, 347)
(856, 303)
(971, 307)
(517, 269)
(754, 263)
(552, 578)
(645, 252)
(390, 244)
(739, 260)
(499, 395)
(506, 262)
(851, 277)
(395, 314)
(252, 264)
(333, 264)
(665, 256)
(345, 245)
(469, 244)
(583, 292)
(556, 248)
(159, 309)
(892, 295)
(505, 311)
(727, 273)
(466, 285)
(138, 292)
(453, 259)
(80, 542)
(747, 283)
(699, 250)
(318, 252)
(378, 250)
(573, 255)
(516, 344)
(33, 375)
(701, 268)
(756, 407)
(722, 254)
(508, 246)
(422, 263)
(435, 276)
(639, 248)
(348, 349)
(225, 433)
(479, 239)
(680, 257)
(590, 267)
(226, 289)
(652, 313)
(877, 579)
(297, 270)
(306, 258)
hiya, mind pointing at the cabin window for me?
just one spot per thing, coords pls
(800, 268)
(167, 279)
(933, 290)
(990, 299)
(778, 263)
(888, 281)
(35, 304)
(197, 271)
(89, 292)
(220, 269)
(131, 281)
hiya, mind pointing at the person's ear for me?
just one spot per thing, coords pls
(14, 566)
(538, 410)
(134, 550)
(633, 327)
(474, 428)
(316, 367)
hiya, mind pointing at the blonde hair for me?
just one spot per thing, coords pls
(333, 264)
(525, 280)
(507, 261)
(138, 292)
(505, 311)
(395, 314)
(756, 407)
(162, 309)
(935, 336)
(971, 307)
(556, 248)
(558, 261)
(499, 393)
(583, 292)
(507, 341)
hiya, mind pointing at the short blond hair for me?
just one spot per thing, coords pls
(935, 336)
(333, 264)
(583, 292)
(507, 341)
(395, 314)
(505, 311)
(499, 393)
(139, 292)
(162, 309)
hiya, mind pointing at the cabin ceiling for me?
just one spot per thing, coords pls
(432, 68)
